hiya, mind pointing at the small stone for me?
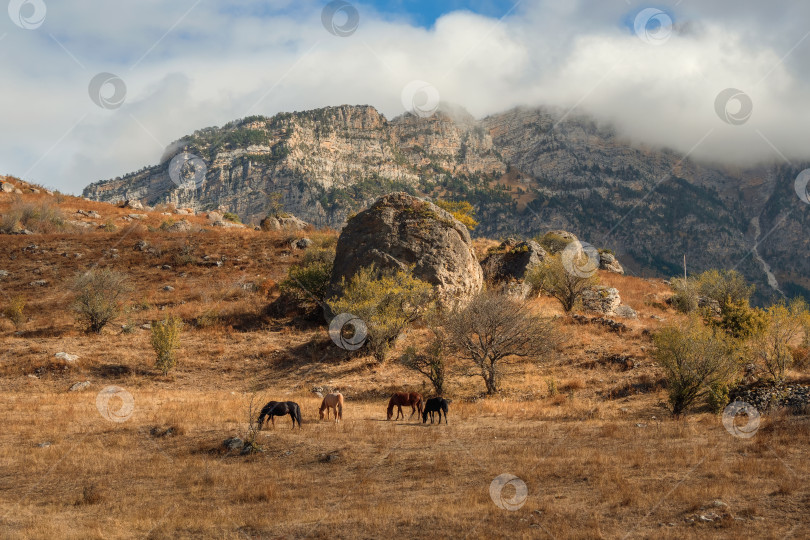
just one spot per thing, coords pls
(45, 444)
(146, 326)
(233, 443)
(3, 273)
(79, 386)
(69, 358)
(303, 243)
(168, 288)
(38, 283)
(165, 267)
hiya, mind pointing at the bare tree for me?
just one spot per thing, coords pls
(554, 279)
(492, 328)
(99, 296)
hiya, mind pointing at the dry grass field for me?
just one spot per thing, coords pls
(600, 458)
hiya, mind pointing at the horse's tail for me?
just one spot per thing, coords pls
(298, 414)
(340, 406)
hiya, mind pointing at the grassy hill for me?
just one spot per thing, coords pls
(588, 432)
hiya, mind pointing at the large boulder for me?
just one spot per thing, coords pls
(604, 300)
(400, 231)
(511, 260)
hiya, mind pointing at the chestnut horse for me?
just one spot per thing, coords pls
(332, 401)
(281, 408)
(404, 398)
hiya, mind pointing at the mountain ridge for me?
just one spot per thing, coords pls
(526, 170)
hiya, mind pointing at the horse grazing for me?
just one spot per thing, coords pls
(332, 401)
(281, 408)
(435, 405)
(404, 398)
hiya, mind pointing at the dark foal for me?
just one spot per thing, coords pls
(435, 405)
(281, 408)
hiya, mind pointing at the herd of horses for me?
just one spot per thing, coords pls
(334, 403)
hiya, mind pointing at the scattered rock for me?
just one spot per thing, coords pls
(3, 273)
(400, 231)
(608, 261)
(92, 214)
(302, 243)
(793, 397)
(142, 245)
(331, 457)
(45, 444)
(181, 226)
(69, 358)
(601, 299)
(165, 267)
(5, 187)
(168, 288)
(184, 212)
(146, 326)
(234, 443)
(79, 386)
(214, 217)
(137, 216)
(626, 312)
(133, 204)
(39, 283)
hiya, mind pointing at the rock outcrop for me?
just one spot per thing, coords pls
(608, 262)
(400, 231)
(604, 300)
(511, 260)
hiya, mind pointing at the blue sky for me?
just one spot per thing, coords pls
(189, 64)
(425, 12)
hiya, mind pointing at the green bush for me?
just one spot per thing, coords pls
(695, 360)
(99, 297)
(387, 302)
(461, 210)
(686, 294)
(165, 341)
(308, 281)
(230, 216)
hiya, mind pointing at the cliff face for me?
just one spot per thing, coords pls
(526, 171)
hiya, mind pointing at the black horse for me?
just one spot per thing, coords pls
(433, 405)
(281, 408)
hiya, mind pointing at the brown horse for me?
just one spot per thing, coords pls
(404, 398)
(332, 401)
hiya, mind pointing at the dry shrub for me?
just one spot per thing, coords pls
(165, 341)
(14, 311)
(42, 218)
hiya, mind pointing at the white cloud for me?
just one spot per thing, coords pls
(223, 60)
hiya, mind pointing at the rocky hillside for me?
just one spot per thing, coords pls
(526, 171)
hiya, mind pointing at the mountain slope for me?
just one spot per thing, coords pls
(526, 171)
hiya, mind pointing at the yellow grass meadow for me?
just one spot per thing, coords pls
(588, 445)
